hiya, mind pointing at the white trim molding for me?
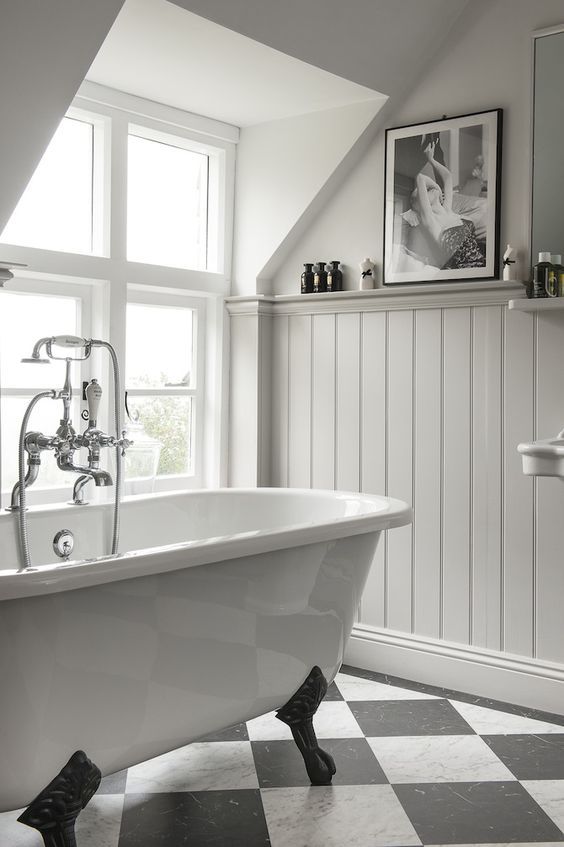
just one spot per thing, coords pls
(487, 673)
(393, 298)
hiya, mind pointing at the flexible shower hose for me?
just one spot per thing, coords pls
(117, 415)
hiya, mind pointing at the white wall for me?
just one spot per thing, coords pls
(47, 48)
(428, 400)
(281, 166)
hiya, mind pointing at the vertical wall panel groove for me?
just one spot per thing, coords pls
(442, 486)
(323, 402)
(347, 366)
(400, 345)
(373, 447)
(387, 466)
(502, 485)
(427, 472)
(413, 463)
(471, 479)
(456, 475)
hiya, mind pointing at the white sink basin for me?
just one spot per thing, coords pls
(544, 457)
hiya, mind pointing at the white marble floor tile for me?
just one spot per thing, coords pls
(332, 816)
(506, 844)
(16, 834)
(197, 767)
(353, 688)
(446, 758)
(98, 825)
(492, 722)
(333, 719)
(549, 794)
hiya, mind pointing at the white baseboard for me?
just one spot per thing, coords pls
(485, 673)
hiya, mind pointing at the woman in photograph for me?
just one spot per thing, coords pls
(454, 235)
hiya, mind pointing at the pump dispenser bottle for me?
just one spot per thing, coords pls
(541, 272)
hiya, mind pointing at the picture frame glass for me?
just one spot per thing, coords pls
(442, 195)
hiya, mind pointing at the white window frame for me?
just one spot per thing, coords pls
(197, 389)
(113, 279)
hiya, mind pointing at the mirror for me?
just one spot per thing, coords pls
(547, 220)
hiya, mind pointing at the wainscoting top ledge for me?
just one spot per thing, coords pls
(393, 298)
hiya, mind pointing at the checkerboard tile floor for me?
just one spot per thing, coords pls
(415, 765)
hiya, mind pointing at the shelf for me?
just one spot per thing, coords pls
(390, 298)
(538, 304)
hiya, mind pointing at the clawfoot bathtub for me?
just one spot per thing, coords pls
(130, 656)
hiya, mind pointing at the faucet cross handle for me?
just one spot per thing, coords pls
(124, 442)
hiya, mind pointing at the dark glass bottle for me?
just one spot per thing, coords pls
(320, 278)
(307, 278)
(335, 277)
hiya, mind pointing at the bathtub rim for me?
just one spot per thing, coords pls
(57, 577)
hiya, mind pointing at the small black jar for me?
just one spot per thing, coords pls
(335, 277)
(320, 278)
(307, 278)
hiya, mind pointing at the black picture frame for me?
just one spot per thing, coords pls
(442, 190)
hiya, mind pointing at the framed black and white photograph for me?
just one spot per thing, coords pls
(442, 198)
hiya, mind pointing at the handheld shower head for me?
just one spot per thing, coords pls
(34, 361)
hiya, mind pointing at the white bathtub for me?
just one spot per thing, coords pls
(223, 604)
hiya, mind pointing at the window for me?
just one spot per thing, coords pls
(56, 209)
(164, 379)
(167, 203)
(124, 227)
(24, 318)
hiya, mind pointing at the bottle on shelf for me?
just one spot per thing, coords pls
(541, 271)
(558, 270)
(335, 277)
(320, 278)
(307, 278)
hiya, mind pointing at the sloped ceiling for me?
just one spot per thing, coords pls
(47, 47)
(377, 43)
(162, 52)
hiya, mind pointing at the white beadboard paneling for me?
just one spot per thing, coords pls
(373, 448)
(487, 398)
(280, 367)
(518, 523)
(348, 403)
(424, 396)
(457, 495)
(427, 469)
(550, 492)
(400, 478)
(299, 399)
(323, 402)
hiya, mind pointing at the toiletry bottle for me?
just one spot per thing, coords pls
(559, 273)
(334, 277)
(541, 270)
(307, 278)
(320, 278)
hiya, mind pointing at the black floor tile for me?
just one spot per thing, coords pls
(198, 819)
(333, 693)
(409, 717)
(280, 765)
(530, 756)
(475, 813)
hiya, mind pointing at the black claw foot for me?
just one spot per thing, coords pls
(55, 810)
(298, 714)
